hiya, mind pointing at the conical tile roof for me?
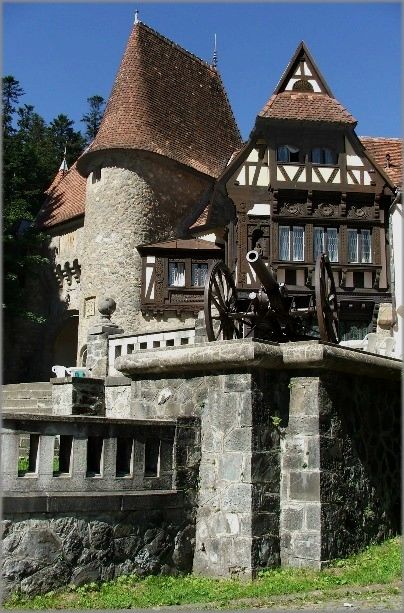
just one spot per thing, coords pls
(168, 101)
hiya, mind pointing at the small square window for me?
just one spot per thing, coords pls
(176, 274)
(199, 272)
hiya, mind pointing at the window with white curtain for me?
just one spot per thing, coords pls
(198, 274)
(291, 243)
(176, 274)
(325, 240)
(359, 246)
(287, 153)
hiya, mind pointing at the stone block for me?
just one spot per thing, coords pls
(238, 439)
(230, 466)
(307, 546)
(304, 486)
(312, 514)
(292, 518)
(237, 498)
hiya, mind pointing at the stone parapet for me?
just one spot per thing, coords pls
(250, 353)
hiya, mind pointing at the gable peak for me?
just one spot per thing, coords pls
(303, 75)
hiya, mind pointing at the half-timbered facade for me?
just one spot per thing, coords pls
(304, 184)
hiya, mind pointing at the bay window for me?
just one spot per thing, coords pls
(291, 243)
(359, 246)
(326, 241)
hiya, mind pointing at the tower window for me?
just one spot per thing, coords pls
(287, 153)
(199, 272)
(176, 274)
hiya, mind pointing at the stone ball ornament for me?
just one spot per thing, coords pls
(106, 306)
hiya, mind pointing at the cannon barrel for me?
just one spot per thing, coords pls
(263, 273)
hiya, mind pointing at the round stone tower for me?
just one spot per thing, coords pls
(166, 134)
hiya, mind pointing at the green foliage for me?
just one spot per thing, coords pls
(32, 154)
(378, 564)
(92, 119)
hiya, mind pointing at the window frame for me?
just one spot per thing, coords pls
(360, 233)
(291, 243)
(325, 242)
(289, 152)
(323, 151)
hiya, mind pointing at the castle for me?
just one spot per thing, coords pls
(159, 193)
(222, 457)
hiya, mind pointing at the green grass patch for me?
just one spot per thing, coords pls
(377, 564)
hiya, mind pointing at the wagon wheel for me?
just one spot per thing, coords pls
(220, 304)
(326, 300)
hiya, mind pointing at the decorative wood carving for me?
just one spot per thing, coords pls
(343, 205)
(291, 208)
(377, 206)
(309, 204)
(159, 270)
(326, 209)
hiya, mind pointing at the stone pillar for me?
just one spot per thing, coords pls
(97, 339)
(300, 521)
(200, 329)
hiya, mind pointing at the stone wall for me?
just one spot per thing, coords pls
(52, 538)
(139, 198)
(42, 552)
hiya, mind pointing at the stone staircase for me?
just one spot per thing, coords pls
(27, 398)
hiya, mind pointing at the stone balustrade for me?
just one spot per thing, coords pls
(124, 344)
(86, 454)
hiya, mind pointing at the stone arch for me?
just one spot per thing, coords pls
(66, 340)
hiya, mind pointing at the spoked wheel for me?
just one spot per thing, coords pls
(326, 300)
(220, 304)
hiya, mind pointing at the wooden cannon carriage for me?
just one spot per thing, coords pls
(270, 313)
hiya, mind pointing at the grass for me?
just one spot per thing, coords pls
(377, 564)
(23, 465)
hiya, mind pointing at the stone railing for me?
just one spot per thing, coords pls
(82, 454)
(124, 344)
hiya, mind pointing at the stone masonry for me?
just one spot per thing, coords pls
(139, 198)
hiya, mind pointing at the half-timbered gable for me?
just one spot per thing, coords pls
(304, 184)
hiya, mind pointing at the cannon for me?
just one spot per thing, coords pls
(270, 312)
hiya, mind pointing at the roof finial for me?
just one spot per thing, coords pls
(64, 167)
(137, 16)
(214, 59)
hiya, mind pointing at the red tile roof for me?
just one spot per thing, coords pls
(303, 106)
(168, 101)
(65, 199)
(379, 147)
(183, 243)
(202, 219)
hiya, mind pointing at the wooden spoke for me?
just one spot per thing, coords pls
(220, 304)
(326, 300)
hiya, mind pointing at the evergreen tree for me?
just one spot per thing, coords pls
(11, 93)
(92, 119)
(62, 135)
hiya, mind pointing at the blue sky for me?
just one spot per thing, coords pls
(63, 53)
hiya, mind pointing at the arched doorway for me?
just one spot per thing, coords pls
(65, 345)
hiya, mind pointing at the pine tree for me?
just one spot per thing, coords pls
(92, 119)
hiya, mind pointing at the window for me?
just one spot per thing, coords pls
(287, 153)
(326, 241)
(176, 274)
(124, 453)
(322, 155)
(152, 458)
(62, 457)
(94, 456)
(359, 246)
(291, 243)
(198, 275)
